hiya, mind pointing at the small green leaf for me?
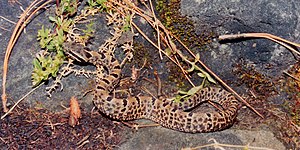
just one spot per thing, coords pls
(194, 90)
(181, 92)
(127, 18)
(209, 78)
(43, 33)
(168, 51)
(102, 3)
(66, 25)
(192, 68)
(44, 37)
(59, 22)
(50, 47)
(52, 19)
(36, 64)
(177, 98)
(201, 75)
(91, 3)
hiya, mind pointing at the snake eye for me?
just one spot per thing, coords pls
(87, 54)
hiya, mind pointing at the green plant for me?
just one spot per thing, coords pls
(48, 63)
(44, 67)
(126, 26)
(67, 8)
(98, 3)
(50, 60)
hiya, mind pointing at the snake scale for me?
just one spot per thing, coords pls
(173, 115)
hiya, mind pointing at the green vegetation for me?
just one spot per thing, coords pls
(51, 58)
(47, 64)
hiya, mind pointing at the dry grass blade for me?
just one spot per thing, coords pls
(13, 107)
(217, 145)
(8, 20)
(21, 24)
(271, 37)
(293, 77)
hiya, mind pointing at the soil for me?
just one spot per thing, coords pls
(35, 128)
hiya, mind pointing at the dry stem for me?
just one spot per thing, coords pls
(21, 24)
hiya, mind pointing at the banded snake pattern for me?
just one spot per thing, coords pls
(169, 114)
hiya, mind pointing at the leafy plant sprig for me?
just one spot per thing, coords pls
(46, 66)
(200, 72)
(98, 4)
(126, 26)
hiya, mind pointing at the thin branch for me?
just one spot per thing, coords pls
(15, 35)
(293, 77)
(7, 20)
(13, 107)
(218, 145)
(271, 37)
(4, 28)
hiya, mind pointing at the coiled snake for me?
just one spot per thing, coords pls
(167, 113)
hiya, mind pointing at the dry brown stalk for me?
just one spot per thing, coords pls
(8, 20)
(271, 37)
(293, 77)
(16, 104)
(217, 145)
(21, 24)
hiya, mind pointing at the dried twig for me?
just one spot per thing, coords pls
(137, 126)
(83, 141)
(7, 20)
(295, 78)
(12, 2)
(21, 24)
(221, 146)
(20, 101)
(271, 37)
(4, 28)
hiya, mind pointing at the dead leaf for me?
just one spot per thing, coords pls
(75, 112)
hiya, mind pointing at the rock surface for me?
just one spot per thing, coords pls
(166, 139)
(278, 17)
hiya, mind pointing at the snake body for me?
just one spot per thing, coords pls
(167, 113)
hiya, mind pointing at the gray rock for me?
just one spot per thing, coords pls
(166, 139)
(277, 17)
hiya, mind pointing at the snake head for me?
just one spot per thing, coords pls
(80, 53)
(76, 51)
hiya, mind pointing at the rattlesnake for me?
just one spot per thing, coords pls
(173, 115)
